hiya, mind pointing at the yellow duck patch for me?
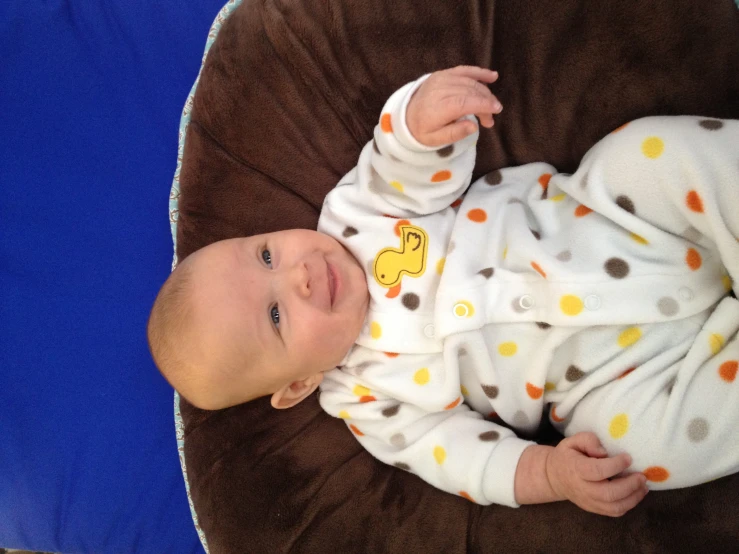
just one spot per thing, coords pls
(410, 259)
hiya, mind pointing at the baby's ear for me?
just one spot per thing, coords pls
(295, 392)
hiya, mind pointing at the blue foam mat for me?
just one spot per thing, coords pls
(91, 94)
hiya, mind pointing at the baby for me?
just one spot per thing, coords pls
(601, 300)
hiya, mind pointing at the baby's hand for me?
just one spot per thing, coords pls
(445, 97)
(579, 468)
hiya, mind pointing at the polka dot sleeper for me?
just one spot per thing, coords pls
(599, 299)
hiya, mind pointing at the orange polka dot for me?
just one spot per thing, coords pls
(398, 225)
(465, 496)
(393, 291)
(386, 123)
(625, 373)
(456, 203)
(617, 129)
(453, 404)
(582, 211)
(538, 269)
(391, 354)
(694, 201)
(365, 399)
(656, 474)
(356, 431)
(477, 215)
(693, 259)
(728, 370)
(555, 417)
(544, 180)
(441, 176)
(534, 391)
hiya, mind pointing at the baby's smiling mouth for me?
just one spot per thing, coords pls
(331, 283)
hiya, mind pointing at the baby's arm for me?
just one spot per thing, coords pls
(423, 152)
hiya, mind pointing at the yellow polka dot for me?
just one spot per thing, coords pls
(549, 386)
(558, 197)
(375, 330)
(464, 390)
(716, 342)
(422, 376)
(570, 304)
(726, 280)
(629, 336)
(439, 455)
(505, 252)
(359, 390)
(507, 348)
(639, 239)
(464, 309)
(397, 186)
(619, 426)
(440, 266)
(343, 414)
(652, 147)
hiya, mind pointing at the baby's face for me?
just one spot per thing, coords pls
(295, 300)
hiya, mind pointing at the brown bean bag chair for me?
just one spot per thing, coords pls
(288, 96)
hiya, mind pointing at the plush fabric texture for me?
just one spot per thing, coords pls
(288, 96)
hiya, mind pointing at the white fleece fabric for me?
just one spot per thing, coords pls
(599, 299)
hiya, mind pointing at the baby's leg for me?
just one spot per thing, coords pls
(672, 182)
(678, 422)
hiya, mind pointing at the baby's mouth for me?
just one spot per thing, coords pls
(331, 282)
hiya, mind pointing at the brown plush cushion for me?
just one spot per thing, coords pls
(289, 95)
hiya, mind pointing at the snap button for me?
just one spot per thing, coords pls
(685, 293)
(460, 310)
(526, 302)
(592, 302)
(429, 331)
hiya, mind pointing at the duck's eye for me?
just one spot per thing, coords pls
(274, 314)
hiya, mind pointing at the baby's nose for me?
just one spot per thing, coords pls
(301, 279)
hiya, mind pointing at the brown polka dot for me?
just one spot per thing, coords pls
(574, 373)
(543, 325)
(375, 148)
(616, 268)
(625, 203)
(536, 234)
(490, 391)
(489, 436)
(694, 202)
(446, 151)
(401, 465)
(564, 256)
(462, 352)
(711, 124)
(487, 272)
(391, 411)
(349, 232)
(520, 419)
(668, 306)
(544, 193)
(494, 178)
(697, 429)
(411, 301)
(398, 439)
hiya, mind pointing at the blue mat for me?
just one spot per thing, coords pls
(91, 94)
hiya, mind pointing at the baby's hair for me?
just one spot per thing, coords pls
(168, 321)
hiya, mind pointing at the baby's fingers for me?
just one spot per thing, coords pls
(451, 133)
(619, 507)
(476, 73)
(618, 489)
(598, 469)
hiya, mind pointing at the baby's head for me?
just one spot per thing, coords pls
(263, 315)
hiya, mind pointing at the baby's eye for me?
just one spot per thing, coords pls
(274, 314)
(267, 257)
